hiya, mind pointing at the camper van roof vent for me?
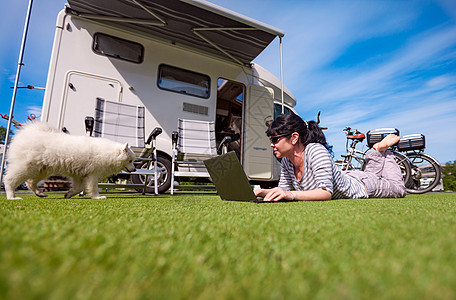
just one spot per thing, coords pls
(196, 109)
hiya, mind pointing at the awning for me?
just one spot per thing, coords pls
(194, 23)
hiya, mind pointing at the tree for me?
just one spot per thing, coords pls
(3, 134)
(449, 176)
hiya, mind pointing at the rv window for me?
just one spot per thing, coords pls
(278, 110)
(183, 81)
(119, 48)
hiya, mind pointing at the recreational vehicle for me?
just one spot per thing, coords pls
(179, 59)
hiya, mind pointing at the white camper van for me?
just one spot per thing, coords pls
(187, 59)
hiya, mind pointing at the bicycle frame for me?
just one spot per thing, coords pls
(352, 153)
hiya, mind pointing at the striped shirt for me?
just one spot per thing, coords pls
(320, 171)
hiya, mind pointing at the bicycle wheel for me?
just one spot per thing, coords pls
(426, 173)
(404, 165)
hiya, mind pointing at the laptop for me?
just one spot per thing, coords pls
(230, 180)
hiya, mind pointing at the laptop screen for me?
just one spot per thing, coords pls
(229, 178)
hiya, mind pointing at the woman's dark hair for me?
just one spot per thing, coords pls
(291, 122)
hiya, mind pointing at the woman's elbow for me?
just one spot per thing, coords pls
(325, 195)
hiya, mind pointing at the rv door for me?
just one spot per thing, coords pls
(259, 109)
(79, 100)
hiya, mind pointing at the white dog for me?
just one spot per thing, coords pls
(38, 151)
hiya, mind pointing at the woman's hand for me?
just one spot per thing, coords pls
(275, 194)
(260, 192)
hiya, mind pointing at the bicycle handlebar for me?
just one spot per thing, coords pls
(349, 131)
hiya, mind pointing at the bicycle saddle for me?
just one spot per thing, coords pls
(359, 136)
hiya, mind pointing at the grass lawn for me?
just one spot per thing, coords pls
(197, 246)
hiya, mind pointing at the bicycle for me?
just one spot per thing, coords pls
(354, 137)
(421, 172)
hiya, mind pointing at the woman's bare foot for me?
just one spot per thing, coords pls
(387, 142)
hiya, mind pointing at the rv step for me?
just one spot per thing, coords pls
(188, 186)
(119, 185)
(192, 174)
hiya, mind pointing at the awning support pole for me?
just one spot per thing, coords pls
(281, 75)
(150, 12)
(16, 82)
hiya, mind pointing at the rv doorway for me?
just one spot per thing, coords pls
(230, 98)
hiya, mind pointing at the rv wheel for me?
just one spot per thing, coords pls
(164, 176)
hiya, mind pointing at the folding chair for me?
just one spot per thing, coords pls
(124, 123)
(193, 143)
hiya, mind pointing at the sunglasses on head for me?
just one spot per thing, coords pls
(275, 138)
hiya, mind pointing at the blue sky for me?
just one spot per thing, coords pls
(364, 64)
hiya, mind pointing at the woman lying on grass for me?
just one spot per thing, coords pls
(308, 168)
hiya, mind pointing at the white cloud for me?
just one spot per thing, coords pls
(440, 81)
(34, 110)
(317, 33)
(12, 78)
(386, 79)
